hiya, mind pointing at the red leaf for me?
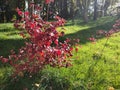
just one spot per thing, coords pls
(48, 43)
(71, 49)
(26, 13)
(56, 42)
(47, 1)
(41, 53)
(76, 49)
(19, 12)
(58, 52)
(4, 60)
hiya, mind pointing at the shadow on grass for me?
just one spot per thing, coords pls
(13, 33)
(9, 44)
(84, 34)
(8, 29)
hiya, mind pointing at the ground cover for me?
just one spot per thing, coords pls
(95, 66)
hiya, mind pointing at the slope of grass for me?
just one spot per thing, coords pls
(95, 66)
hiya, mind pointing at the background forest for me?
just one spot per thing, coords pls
(68, 9)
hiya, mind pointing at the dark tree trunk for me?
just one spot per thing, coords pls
(80, 7)
(60, 7)
(72, 11)
(85, 4)
(95, 10)
(65, 9)
(1, 11)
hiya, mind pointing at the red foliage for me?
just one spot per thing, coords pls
(48, 1)
(44, 47)
(92, 39)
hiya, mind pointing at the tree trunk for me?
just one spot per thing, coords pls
(95, 10)
(106, 5)
(60, 7)
(85, 5)
(72, 11)
(65, 9)
(85, 16)
(102, 8)
(78, 3)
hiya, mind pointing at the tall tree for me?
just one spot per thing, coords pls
(64, 8)
(95, 10)
(72, 11)
(85, 6)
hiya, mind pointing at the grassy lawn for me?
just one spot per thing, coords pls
(95, 66)
(9, 39)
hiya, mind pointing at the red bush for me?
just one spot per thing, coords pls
(43, 47)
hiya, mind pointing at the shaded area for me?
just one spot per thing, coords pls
(7, 29)
(84, 34)
(9, 39)
(13, 33)
(7, 45)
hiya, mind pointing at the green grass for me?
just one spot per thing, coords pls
(95, 66)
(9, 39)
(84, 31)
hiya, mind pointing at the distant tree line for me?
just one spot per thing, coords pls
(68, 9)
(7, 9)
